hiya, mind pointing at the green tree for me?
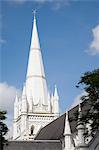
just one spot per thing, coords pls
(90, 83)
(3, 128)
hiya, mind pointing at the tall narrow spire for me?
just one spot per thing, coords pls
(56, 102)
(67, 130)
(35, 79)
(16, 107)
(24, 100)
(35, 44)
(35, 100)
(68, 140)
(56, 93)
(49, 102)
(80, 128)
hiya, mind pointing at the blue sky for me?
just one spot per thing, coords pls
(69, 34)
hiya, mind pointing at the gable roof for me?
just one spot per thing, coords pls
(55, 129)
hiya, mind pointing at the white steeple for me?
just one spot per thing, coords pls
(49, 102)
(35, 44)
(16, 107)
(35, 103)
(35, 79)
(16, 114)
(68, 140)
(56, 101)
(24, 101)
(56, 93)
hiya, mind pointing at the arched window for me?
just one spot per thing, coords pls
(32, 129)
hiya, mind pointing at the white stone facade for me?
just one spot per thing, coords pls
(35, 108)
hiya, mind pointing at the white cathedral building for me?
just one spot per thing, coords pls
(35, 108)
(37, 123)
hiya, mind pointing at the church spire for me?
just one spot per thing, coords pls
(35, 100)
(35, 79)
(35, 44)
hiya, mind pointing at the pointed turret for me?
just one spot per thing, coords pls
(56, 93)
(67, 130)
(20, 104)
(35, 80)
(49, 103)
(80, 128)
(56, 101)
(52, 103)
(24, 101)
(16, 103)
(16, 114)
(24, 92)
(68, 140)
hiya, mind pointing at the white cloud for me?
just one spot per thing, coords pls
(56, 4)
(77, 99)
(7, 96)
(94, 46)
(60, 4)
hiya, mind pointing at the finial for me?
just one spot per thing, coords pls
(56, 92)
(34, 13)
(67, 114)
(80, 111)
(79, 107)
(16, 97)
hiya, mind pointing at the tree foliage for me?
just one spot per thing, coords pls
(90, 83)
(3, 126)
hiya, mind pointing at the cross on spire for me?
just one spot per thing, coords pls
(34, 13)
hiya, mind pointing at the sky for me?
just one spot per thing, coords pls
(69, 39)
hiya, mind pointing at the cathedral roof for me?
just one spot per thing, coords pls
(94, 140)
(55, 130)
